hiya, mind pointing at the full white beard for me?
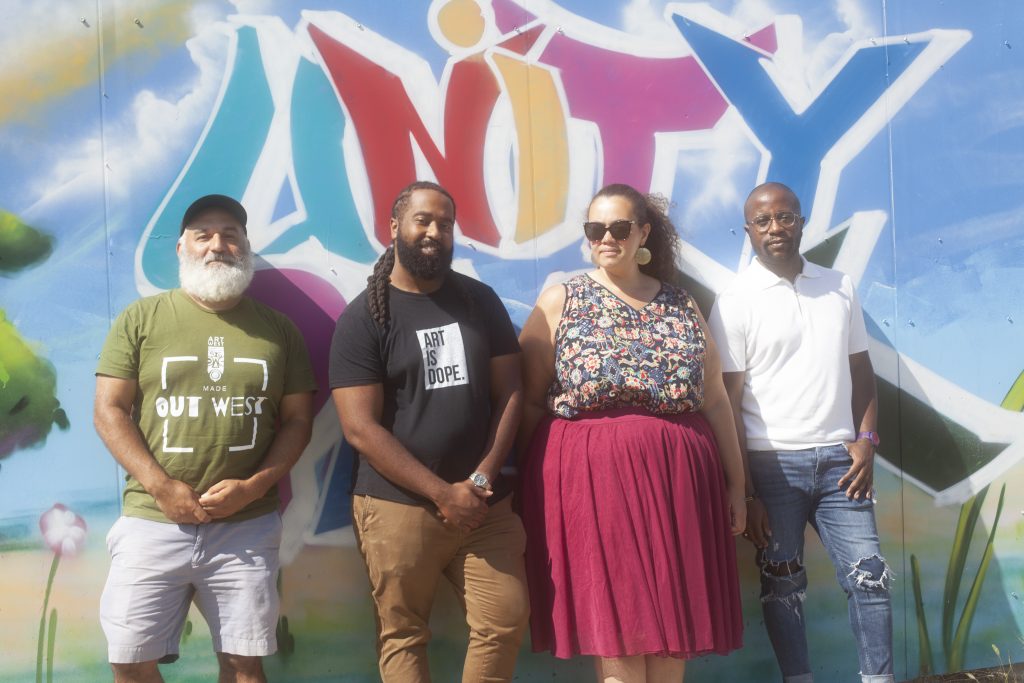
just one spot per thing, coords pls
(215, 284)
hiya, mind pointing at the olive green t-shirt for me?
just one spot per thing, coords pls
(209, 389)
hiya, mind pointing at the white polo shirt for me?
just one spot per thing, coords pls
(793, 341)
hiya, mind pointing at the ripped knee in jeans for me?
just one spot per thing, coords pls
(783, 569)
(783, 582)
(871, 574)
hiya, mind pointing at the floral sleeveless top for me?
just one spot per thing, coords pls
(611, 355)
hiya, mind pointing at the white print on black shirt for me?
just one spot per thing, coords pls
(172, 407)
(444, 357)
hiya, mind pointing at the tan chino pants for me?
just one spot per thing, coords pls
(407, 549)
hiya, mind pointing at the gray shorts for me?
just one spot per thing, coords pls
(157, 569)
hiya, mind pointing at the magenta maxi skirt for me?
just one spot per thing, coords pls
(629, 549)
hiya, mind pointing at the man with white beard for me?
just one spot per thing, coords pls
(204, 397)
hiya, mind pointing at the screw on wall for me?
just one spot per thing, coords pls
(85, 22)
(138, 22)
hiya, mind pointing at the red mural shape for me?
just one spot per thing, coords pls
(386, 122)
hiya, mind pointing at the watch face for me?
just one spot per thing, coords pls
(480, 480)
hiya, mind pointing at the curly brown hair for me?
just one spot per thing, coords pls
(663, 240)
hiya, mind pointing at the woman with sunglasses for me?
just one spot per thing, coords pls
(632, 477)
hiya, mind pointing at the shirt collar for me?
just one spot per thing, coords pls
(764, 278)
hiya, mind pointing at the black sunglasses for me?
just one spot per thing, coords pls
(595, 230)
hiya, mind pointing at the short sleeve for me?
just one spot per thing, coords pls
(727, 329)
(356, 349)
(858, 332)
(503, 334)
(120, 355)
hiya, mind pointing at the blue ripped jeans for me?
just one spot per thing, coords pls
(798, 487)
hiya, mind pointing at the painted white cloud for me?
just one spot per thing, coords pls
(253, 6)
(858, 25)
(716, 171)
(753, 14)
(143, 136)
(646, 18)
(24, 22)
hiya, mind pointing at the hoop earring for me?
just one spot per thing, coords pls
(642, 256)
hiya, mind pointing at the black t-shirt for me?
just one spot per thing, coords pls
(434, 364)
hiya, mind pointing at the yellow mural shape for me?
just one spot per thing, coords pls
(461, 22)
(543, 146)
(57, 62)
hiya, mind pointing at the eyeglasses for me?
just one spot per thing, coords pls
(595, 230)
(785, 219)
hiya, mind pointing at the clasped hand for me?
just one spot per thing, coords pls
(464, 505)
(182, 505)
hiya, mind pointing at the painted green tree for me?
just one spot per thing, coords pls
(28, 403)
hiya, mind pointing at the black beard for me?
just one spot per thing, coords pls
(423, 266)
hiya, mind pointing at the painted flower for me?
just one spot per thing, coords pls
(63, 530)
(604, 321)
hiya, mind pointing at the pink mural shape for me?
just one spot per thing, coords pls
(766, 39)
(631, 98)
(312, 304)
(508, 16)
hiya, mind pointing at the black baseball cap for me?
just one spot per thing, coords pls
(214, 201)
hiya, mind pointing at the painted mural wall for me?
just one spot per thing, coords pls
(900, 126)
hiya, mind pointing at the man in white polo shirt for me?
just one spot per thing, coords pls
(795, 361)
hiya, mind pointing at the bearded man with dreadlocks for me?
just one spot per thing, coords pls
(425, 377)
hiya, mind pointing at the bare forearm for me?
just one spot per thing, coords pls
(719, 416)
(865, 409)
(394, 462)
(532, 415)
(864, 402)
(291, 439)
(741, 437)
(504, 423)
(734, 387)
(123, 439)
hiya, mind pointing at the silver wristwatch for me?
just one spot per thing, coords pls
(480, 480)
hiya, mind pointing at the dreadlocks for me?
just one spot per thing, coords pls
(377, 287)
